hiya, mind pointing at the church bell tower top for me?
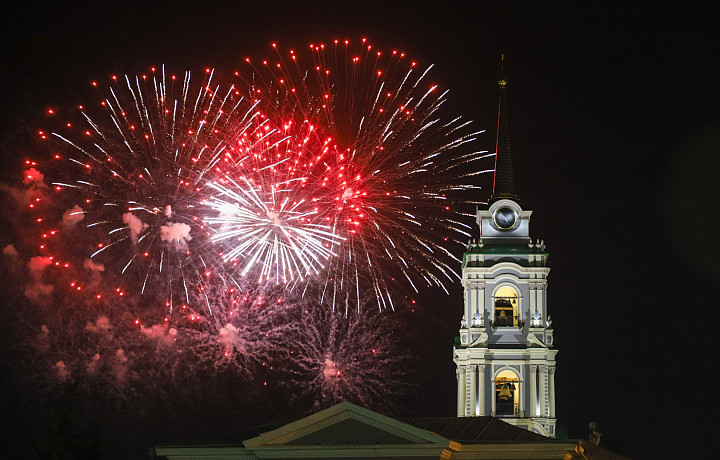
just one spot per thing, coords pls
(504, 351)
(504, 221)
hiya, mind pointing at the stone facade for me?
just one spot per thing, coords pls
(504, 353)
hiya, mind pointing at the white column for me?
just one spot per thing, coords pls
(468, 306)
(551, 389)
(476, 301)
(533, 302)
(481, 390)
(472, 384)
(533, 391)
(461, 391)
(481, 303)
(543, 390)
(472, 304)
(493, 408)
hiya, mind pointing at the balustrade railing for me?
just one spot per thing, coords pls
(507, 409)
(507, 321)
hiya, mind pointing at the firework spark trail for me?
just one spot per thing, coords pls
(243, 334)
(332, 357)
(197, 193)
(267, 215)
(123, 348)
(338, 168)
(400, 167)
(139, 170)
(257, 336)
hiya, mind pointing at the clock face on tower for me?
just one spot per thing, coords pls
(505, 218)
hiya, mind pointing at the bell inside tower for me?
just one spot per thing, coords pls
(507, 394)
(506, 307)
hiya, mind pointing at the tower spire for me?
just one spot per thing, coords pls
(504, 354)
(503, 182)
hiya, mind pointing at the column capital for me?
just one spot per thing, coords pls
(551, 370)
(461, 369)
(481, 367)
(533, 368)
(471, 367)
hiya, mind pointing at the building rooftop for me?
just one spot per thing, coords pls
(474, 430)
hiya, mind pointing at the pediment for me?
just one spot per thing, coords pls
(347, 424)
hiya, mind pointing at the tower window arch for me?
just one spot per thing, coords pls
(506, 302)
(507, 394)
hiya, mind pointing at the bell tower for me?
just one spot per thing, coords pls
(504, 354)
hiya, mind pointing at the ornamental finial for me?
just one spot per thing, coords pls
(502, 81)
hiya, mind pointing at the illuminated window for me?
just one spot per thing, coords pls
(507, 394)
(506, 307)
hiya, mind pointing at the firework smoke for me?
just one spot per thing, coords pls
(332, 357)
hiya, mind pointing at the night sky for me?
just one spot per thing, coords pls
(615, 131)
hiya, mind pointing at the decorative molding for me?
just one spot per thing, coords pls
(534, 341)
(277, 439)
(428, 451)
(289, 437)
(497, 368)
(480, 341)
